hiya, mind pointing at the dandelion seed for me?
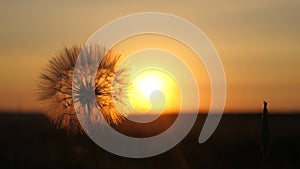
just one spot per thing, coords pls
(109, 86)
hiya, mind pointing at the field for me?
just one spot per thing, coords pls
(31, 141)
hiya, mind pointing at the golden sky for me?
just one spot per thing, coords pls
(257, 41)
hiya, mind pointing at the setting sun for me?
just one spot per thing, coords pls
(147, 85)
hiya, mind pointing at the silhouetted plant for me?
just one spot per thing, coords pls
(109, 86)
(265, 137)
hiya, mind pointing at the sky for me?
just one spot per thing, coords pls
(257, 41)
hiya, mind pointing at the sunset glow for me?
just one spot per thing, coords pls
(257, 41)
(144, 86)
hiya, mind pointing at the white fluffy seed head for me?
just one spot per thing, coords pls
(110, 87)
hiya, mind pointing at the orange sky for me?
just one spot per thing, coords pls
(258, 43)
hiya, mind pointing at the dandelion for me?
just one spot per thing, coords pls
(55, 87)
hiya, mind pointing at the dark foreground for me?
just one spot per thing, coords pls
(31, 141)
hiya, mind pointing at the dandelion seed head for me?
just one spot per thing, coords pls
(108, 83)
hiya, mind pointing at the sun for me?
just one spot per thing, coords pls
(146, 84)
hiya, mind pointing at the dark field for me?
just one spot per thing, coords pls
(31, 141)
